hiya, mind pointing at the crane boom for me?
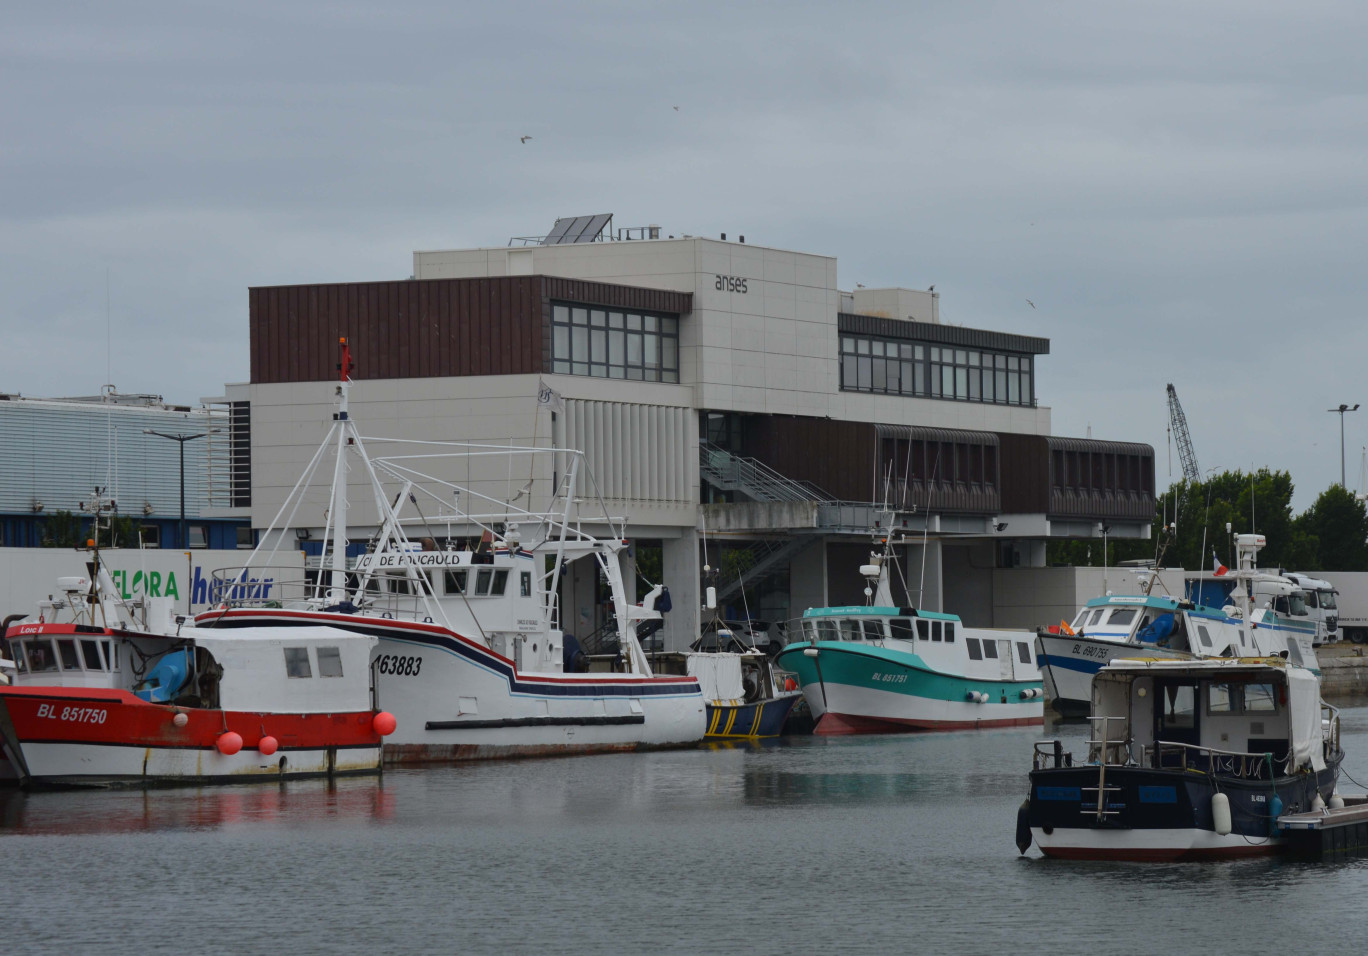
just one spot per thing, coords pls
(1191, 472)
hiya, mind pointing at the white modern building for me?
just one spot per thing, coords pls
(730, 398)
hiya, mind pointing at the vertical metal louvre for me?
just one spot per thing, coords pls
(631, 449)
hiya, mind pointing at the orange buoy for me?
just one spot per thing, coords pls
(268, 745)
(384, 723)
(229, 743)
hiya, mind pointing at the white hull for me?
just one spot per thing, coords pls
(1158, 844)
(864, 703)
(92, 764)
(464, 702)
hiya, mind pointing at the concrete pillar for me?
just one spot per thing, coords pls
(807, 580)
(680, 569)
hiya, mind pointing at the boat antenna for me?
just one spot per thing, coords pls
(926, 527)
(744, 602)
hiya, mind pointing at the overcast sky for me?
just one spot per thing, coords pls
(1179, 188)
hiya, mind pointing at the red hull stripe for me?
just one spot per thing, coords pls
(117, 718)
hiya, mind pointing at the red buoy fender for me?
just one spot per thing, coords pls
(384, 723)
(229, 743)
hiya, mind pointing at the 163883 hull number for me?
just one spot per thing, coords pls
(399, 665)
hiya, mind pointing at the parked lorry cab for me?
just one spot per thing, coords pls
(1321, 604)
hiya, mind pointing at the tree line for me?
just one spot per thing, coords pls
(1190, 527)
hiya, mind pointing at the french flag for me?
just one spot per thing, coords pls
(1217, 568)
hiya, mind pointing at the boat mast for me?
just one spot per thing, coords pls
(338, 511)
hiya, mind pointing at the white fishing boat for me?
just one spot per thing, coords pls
(1188, 759)
(471, 657)
(110, 693)
(882, 668)
(1259, 620)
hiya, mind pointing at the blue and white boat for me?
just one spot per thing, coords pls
(882, 668)
(1156, 626)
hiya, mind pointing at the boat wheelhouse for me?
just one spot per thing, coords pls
(1187, 759)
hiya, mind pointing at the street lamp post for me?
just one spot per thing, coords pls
(1342, 409)
(181, 440)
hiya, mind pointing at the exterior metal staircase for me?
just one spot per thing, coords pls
(766, 555)
(751, 477)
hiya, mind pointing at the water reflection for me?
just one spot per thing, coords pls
(76, 812)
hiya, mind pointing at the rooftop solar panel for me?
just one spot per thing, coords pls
(577, 229)
(557, 233)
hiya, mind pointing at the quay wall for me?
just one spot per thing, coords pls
(1344, 671)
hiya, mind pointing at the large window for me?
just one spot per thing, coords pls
(896, 367)
(614, 343)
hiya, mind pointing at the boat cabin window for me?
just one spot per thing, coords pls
(935, 630)
(1241, 698)
(1121, 617)
(873, 630)
(1081, 619)
(901, 628)
(850, 630)
(1202, 633)
(16, 654)
(972, 645)
(483, 579)
(111, 655)
(90, 654)
(1259, 699)
(923, 630)
(1023, 652)
(455, 582)
(399, 586)
(329, 662)
(297, 662)
(949, 632)
(830, 629)
(67, 650)
(500, 581)
(990, 650)
(525, 586)
(41, 656)
(1097, 616)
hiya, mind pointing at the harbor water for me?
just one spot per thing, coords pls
(807, 845)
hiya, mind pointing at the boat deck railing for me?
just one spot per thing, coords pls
(1175, 755)
(283, 589)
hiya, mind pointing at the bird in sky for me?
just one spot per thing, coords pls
(1030, 303)
(676, 109)
(524, 139)
(859, 285)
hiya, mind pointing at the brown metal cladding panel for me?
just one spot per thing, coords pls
(417, 328)
(1025, 473)
(835, 456)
